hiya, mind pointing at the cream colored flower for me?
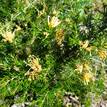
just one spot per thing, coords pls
(102, 54)
(85, 45)
(84, 29)
(87, 66)
(98, 5)
(32, 75)
(79, 68)
(34, 63)
(89, 48)
(87, 77)
(18, 28)
(83, 67)
(86, 72)
(34, 66)
(53, 22)
(59, 37)
(46, 34)
(8, 36)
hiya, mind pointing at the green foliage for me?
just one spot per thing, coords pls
(60, 62)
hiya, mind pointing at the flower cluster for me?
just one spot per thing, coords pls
(102, 54)
(59, 36)
(87, 77)
(86, 71)
(8, 36)
(85, 45)
(53, 22)
(35, 67)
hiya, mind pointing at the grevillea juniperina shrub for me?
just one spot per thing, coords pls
(53, 53)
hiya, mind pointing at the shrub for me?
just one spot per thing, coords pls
(52, 52)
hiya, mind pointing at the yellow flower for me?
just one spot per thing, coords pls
(83, 67)
(87, 67)
(87, 77)
(46, 34)
(79, 68)
(53, 22)
(34, 63)
(59, 36)
(18, 28)
(32, 75)
(85, 45)
(98, 5)
(34, 66)
(102, 54)
(85, 71)
(8, 36)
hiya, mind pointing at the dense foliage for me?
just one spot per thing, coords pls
(53, 52)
